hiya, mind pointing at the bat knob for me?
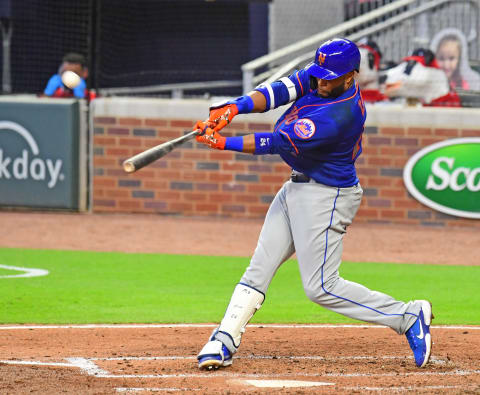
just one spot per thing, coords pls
(128, 166)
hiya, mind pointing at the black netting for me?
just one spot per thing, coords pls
(146, 42)
(135, 43)
(42, 32)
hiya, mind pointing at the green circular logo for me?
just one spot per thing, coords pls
(446, 177)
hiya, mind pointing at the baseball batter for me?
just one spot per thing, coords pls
(320, 137)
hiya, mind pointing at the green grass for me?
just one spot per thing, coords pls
(100, 287)
(5, 272)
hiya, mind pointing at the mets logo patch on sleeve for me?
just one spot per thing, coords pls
(304, 128)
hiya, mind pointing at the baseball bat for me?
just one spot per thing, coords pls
(152, 154)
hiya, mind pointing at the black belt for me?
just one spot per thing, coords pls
(299, 177)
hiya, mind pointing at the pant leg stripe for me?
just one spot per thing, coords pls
(325, 260)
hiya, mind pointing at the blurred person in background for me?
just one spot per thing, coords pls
(369, 75)
(57, 86)
(419, 79)
(451, 51)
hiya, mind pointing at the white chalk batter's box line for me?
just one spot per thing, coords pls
(154, 326)
(433, 360)
(350, 388)
(87, 366)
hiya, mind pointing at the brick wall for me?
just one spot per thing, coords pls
(196, 180)
(190, 180)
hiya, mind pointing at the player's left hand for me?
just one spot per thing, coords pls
(209, 136)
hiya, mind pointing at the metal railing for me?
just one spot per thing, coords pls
(385, 24)
(250, 80)
(248, 69)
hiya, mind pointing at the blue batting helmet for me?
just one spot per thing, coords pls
(334, 58)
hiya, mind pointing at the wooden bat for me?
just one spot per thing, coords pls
(151, 155)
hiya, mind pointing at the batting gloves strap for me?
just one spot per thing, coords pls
(209, 136)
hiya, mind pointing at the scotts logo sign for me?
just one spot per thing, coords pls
(446, 177)
(28, 164)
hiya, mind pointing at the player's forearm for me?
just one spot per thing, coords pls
(252, 102)
(259, 101)
(249, 144)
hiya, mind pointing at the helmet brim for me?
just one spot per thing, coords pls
(320, 72)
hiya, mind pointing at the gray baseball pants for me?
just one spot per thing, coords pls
(311, 219)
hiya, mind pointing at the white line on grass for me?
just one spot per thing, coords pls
(153, 326)
(29, 272)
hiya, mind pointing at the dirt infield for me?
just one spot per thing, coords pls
(161, 358)
(151, 359)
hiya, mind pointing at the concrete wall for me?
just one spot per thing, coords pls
(195, 180)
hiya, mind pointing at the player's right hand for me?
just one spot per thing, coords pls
(222, 116)
(209, 136)
(201, 127)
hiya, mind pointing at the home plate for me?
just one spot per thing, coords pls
(285, 383)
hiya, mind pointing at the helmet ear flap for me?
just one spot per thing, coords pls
(313, 83)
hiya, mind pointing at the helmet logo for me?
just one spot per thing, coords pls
(321, 58)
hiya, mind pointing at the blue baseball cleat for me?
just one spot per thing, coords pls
(214, 355)
(419, 337)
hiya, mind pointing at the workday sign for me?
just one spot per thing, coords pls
(446, 177)
(39, 153)
(29, 165)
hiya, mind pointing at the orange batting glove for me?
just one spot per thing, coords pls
(209, 136)
(222, 116)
